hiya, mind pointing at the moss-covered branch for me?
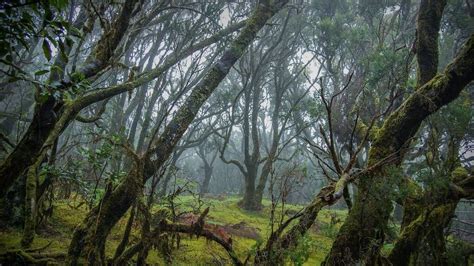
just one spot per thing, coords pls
(277, 243)
(105, 48)
(197, 229)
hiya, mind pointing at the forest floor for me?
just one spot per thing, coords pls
(193, 251)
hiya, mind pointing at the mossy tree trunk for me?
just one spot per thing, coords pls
(429, 215)
(429, 223)
(45, 115)
(34, 196)
(414, 241)
(249, 201)
(428, 212)
(89, 238)
(29, 146)
(126, 235)
(361, 238)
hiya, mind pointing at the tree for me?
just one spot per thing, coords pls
(389, 147)
(266, 71)
(89, 238)
(39, 139)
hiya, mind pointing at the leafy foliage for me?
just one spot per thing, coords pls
(23, 27)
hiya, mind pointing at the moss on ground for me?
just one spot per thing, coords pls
(195, 251)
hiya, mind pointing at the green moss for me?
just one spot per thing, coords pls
(195, 251)
(386, 249)
(65, 217)
(227, 212)
(459, 174)
(10, 239)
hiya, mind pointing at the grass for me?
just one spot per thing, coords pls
(195, 251)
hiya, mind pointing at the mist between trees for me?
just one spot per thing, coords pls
(282, 132)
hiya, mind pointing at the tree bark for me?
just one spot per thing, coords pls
(126, 234)
(249, 201)
(203, 150)
(251, 154)
(207, 179)
(428, 25)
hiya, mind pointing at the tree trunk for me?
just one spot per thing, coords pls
(126, 234)
(44, 117)
(88, 240)
(27, 150)
(30, 205)
(428, 227)
(251, 154)
(428, 25)
(267, 167)
(34, 192)
(249, 201)
(207, 179)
